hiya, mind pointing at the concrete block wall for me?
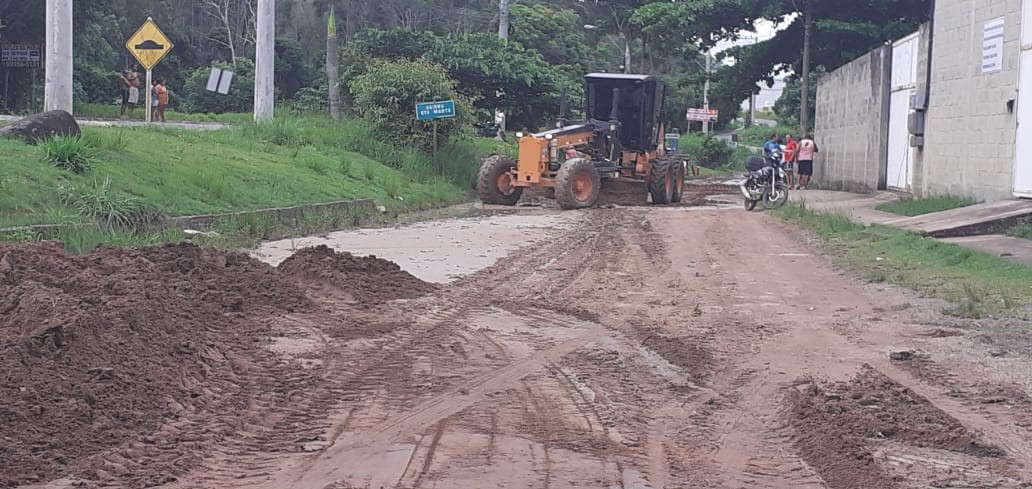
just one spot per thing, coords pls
(969, 131)
(852, 124)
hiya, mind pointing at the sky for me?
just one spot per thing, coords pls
(765, 30)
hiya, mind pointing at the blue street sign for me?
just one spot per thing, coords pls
(435, 110)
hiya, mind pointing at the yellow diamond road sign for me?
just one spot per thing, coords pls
(149, 45)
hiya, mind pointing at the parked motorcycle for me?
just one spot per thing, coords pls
(765, 182)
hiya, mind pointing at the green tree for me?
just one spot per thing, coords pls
(557, 34)
(388, 92)
(787, 107)
(841, 32)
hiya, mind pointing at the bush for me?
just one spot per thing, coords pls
(101, 204)
(708, 151)
(386, 96)
(196, 97)
(69, 153)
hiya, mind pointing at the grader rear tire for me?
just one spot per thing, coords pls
(661, 181)
(679, 174)
(494, 186)
(577, 184)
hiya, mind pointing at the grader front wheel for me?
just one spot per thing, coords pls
(494, 182)
(661, 181)
(577, 184)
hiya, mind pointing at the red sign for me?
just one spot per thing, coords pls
(702, 115)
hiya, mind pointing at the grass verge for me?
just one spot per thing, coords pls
(1021, 231)
(917, 207)
(977, 284)
(133, 175)
(103, 111)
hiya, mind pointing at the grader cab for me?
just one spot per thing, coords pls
(621, 138)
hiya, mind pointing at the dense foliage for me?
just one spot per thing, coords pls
(552, 44)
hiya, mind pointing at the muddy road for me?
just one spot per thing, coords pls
(614, 348)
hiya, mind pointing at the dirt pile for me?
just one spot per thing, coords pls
(368, 279)
(834, 421)
(98, 351)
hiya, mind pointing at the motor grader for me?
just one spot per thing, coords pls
(620, 138)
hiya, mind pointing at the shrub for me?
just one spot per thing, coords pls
(386, 96)
(69, 153)
(709, 151)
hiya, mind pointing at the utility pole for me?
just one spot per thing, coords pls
(57, 90)
(804, 102)
(705, 94)
(332, 66)
(265, 61)
(626, 53)
(503, 34)
(503, 20)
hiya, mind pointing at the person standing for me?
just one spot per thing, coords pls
(129, 83)
(805, 155)
(790, 154)
(160, 100)
(770, 147)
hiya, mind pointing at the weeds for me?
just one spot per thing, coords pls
(976, 283)
(69, 153)
(100, 204)
(1021, 231)
(917, 207)
(108, 141)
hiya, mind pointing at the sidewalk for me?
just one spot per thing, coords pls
(861, 208)
(201, 126)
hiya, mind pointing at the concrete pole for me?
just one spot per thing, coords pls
(265, 60)
(57, 91)
(503, 20)
(705, 94)
(804, 102)
(503, 34)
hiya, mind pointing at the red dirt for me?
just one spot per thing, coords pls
(96, 350)
(833, 422)
(368, 279)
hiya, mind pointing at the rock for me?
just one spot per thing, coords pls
(34, 128)
(901, 356)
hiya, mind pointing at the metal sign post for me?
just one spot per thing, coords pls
(431, 111)
(149, 46)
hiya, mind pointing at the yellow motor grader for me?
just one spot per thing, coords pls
(620, 138)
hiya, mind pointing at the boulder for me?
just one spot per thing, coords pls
(36, 127)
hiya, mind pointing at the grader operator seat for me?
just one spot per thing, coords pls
(620, 138)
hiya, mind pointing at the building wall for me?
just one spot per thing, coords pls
(969, 131)
(851, 126)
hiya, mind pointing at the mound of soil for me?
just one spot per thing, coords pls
(368, 279)
(833, 422)
(99, 352)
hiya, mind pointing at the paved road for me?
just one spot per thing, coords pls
(200, 126)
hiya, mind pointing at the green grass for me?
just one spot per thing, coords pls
(976, 283)
(182, 172)
(102, 111)
(757, 135)
(1021, 231)
(917, 207)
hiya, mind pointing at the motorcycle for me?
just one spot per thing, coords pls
(765, 182)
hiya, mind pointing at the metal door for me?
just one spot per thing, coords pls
(899, 174)
(1023, 143)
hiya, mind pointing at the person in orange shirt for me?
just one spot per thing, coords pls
(790, 153)
(160, 99)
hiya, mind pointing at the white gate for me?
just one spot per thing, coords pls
(1023, 144)
(899, 174)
